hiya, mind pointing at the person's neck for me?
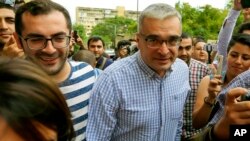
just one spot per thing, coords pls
(1, 47)
(99, 58)
(63, 74)
(188, 61)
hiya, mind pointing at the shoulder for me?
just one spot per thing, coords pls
(200, 66)
(242, 80)
(122, 64)
(198, 63)
(245, 74)
(109, 61)
(80, 66)
(180, 64)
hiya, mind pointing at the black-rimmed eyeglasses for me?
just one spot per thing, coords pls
(154, 41)
(37, 43)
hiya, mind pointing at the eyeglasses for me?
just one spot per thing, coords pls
(37, 43)
(154, 41)
(9, 2)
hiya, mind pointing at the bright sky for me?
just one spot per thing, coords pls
(132, 4)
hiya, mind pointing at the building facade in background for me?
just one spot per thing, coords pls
(90, 17)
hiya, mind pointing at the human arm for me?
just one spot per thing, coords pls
(102, 110)
(235, 113)
(226, 30)
(207, 91)
(79, 42)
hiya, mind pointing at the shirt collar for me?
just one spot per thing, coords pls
(147, 70)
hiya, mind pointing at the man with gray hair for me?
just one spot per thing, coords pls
(141, 97)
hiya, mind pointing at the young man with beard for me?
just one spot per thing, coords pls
(43, 30)
(197, 70)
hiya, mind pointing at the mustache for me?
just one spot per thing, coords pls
(45, 55)
(5, 33)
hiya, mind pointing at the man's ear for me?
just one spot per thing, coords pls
(18, 41)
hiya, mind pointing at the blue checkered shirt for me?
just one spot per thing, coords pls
(242, 80)
(130, 102)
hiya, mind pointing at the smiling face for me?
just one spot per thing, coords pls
(97, 48)
(7, 24)
(123, 52)
(199, 53)
(50, 59)
(238, 59)
(185, 49)
(159, 58)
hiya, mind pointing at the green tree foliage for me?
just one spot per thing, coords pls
(80, 30)
(112, 28)
(200, 21)
(204, 21)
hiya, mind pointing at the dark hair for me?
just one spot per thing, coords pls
(199, 39)
(122, 43)
(239, 38)
(95, 39)
(244, 26)
(132, 40)
(7, 6)
(185, 35)
(40, 7)
(28, 96)
(85, 56)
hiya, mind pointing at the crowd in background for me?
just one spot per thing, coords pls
(163, 85)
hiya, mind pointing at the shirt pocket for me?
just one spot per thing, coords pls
(177, 104)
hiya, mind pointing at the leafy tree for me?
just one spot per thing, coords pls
(203, 21)
(111, 28)
(81, 32)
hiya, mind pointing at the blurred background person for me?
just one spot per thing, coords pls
(88, 57)
(8, 46)
(31, 105)
(198, 52)
(197, 70)
(97, 45)
(123, 49)
(49, 48)
(76, 44)
(238, 61)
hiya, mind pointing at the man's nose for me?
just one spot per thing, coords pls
(49, 48)
(3, 24)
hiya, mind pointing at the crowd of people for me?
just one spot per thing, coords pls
(163, 85)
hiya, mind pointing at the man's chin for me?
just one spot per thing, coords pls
(184, 59)
(50, 71)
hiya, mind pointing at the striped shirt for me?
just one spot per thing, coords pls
(76, 90)
(198, 70)
(130, 102)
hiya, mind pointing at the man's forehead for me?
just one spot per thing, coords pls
(5, 12)
(186, 41)
(99, 42)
